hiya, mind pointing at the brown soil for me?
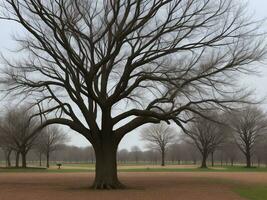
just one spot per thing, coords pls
(142, 186)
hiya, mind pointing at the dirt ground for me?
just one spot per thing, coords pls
(142, 186)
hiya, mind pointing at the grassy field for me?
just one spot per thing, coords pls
(252, 192)
(135, 168)
(244, 190)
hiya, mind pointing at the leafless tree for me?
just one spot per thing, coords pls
(16, 128)
(248, 127)
(49, 140)
(136, 153)
(231, 152)
(7, 147)
(86, 60)
(91, 151)
(175, 151)
(159, 137)
(206, 135)
(123, 155)
(7, 153)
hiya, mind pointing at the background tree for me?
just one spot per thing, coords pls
(51, 138)
(206, 135)
(175, 151)
(159, 137)
(231, 151)
(7, 152)
(85, 60)
(123, 155)
(248, 127)
(136, 153)
(16, 127)
(91, 151)
(7, 147)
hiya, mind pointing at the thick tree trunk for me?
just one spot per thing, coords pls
(47, 159)
(248, 160)
(106, 167)
(162, 158)
(204, 160)
(24, 160)
(17, 159)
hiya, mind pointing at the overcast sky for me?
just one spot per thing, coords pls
(256, 7)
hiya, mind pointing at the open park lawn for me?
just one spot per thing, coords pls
(141, 186)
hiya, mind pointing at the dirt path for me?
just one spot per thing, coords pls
(143, 186)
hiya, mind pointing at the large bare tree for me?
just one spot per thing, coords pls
(249, 126)
(159, 137)
(105, 68)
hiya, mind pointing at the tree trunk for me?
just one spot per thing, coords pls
(47, 159)
(232, 162)
(163, 158)
(212, 159)
(23, 158)
(204, 160)
(40, 159)
(106, 166)
(8, 159)
(248, 160)
(17, 159)
(8, 162)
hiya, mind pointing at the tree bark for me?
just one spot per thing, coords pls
(204, 160)
(40, 159)
(47, 159)
(24, 160)
(8, 162)
(212, 159)
(163, 158)
(248, 160)
(17, 159)
(106, 166)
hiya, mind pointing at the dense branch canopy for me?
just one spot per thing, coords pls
(129, 63)
(207, 135)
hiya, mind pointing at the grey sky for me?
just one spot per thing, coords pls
(256, 7)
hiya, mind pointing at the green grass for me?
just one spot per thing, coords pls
(252, 192)
(90, 168)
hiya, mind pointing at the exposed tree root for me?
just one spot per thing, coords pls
(108, 186)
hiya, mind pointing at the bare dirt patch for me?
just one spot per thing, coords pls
(147, 186)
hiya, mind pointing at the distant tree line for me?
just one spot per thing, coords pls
(229, 138)
(181, 153)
